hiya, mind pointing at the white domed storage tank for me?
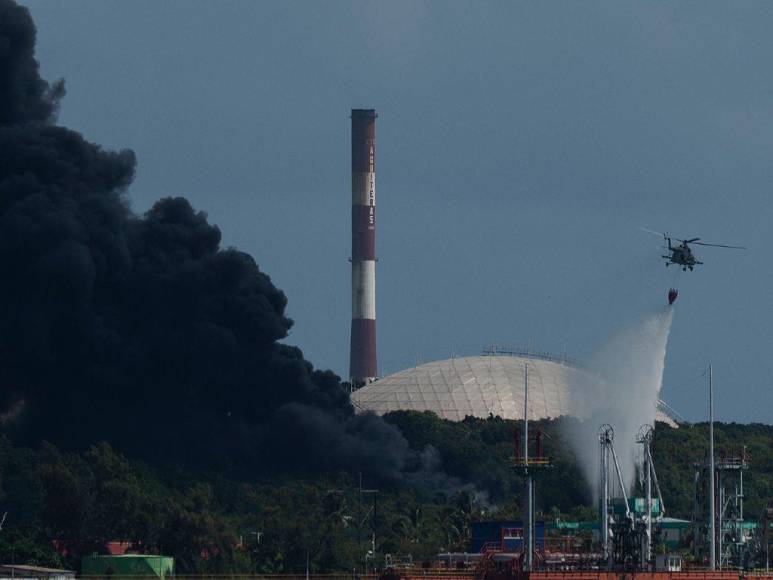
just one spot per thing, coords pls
(480, 386)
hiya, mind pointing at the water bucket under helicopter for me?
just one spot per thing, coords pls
(673, 290)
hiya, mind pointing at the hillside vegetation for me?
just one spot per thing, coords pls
(213, 524)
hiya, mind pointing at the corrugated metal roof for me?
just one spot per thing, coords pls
(477, 386)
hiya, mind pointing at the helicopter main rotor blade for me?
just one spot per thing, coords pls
(661, 234)
(693, 240)
(720, 246)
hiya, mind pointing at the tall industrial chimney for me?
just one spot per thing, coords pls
(362, 357)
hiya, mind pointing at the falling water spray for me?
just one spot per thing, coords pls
(621, 389)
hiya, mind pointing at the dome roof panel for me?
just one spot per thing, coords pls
(479, 386)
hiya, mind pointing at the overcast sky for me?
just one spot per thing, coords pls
(519, 148)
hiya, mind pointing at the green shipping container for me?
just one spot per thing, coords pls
(134, 565)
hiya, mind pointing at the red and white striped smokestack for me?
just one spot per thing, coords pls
(362, 357)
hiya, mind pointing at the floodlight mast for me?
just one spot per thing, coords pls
(529, 466)
(712, 515)
(529, 544)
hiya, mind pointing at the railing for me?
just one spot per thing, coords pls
(234, 576)
(726, 460)
(491, 547)
(246, 576)
(618, 575)
(507, 350)
(533, 462)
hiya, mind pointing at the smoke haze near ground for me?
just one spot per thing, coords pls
(621, 389)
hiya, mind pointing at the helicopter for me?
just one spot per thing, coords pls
(681, 254)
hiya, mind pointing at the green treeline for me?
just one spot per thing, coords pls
(211, 523)
(480, 450)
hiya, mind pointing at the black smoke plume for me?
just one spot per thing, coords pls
(142, 330)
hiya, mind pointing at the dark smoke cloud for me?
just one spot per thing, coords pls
(142, 330)
(24, 96)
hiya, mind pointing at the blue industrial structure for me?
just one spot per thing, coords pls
(504, 536)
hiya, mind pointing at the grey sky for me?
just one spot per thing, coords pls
(520, 145)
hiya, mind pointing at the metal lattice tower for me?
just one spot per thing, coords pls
(734, 545)
(644, 438)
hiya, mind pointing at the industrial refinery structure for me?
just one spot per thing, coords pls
(477, 386)
(524, 385)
